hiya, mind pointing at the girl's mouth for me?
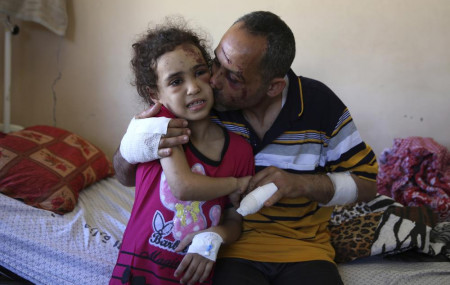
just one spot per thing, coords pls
(196, 104)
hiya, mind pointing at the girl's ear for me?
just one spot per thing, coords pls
(276, 86)
(153, 94)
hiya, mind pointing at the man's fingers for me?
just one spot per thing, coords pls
(150, 112)
(273, 199)
(176, 132)
(178, 123)
(173, 142)
(164, 152)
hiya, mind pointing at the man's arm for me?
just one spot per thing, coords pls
(316, 187)
(125, 172)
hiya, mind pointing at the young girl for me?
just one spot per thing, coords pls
(171, 68)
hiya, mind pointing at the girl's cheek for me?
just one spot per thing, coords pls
(206, 77)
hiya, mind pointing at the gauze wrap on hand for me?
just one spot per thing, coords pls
(141, 141)
(255, 199)
(206, 244)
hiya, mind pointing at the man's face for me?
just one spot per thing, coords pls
(236, 78)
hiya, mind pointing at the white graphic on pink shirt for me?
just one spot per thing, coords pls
(188, 215)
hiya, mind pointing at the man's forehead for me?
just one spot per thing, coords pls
(239, 45)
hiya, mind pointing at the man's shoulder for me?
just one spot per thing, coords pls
(314, 85)
(310, 89)
(318, 94)
(305, 81)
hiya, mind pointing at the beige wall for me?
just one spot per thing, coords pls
(388, 60)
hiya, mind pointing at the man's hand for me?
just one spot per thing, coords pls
(177, 131)
(286, 183)
(177, 134)
(315, 187)
(193, 267)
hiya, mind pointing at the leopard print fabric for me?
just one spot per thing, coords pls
(346, 213)
(354, 237)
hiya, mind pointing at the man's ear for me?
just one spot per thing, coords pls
(276, 86)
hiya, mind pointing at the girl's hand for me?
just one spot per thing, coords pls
(194, 268)
(241, 188)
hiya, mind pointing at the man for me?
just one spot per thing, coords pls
(304, 141)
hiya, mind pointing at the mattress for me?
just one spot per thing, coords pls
(81, 247)
(376, 270)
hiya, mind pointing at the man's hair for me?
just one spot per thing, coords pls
(156, 42)
(280, 51)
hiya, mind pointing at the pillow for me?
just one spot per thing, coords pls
(353, 238)
(46, 167)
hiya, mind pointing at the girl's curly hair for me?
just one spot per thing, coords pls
(156, 42)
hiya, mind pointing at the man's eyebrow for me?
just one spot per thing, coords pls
(237, 73)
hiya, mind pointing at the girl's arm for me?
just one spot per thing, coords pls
(186, 185)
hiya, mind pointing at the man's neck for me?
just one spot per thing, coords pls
(262, 116)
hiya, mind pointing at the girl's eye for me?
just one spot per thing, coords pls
(175, 82)
(201, 72)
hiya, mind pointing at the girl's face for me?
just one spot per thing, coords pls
(183, 83)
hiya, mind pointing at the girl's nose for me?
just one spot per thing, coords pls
(194, 88)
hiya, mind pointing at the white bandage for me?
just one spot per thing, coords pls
(206, 244)
(345, 189)
(255, 199)
(141, 141)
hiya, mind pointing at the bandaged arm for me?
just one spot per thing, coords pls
(141, 140)
(208, 243)
(349, 188)
(139, 144)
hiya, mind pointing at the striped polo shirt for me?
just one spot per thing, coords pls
(314, 133)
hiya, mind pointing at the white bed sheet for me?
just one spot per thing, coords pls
(376, 270)
(81, 247)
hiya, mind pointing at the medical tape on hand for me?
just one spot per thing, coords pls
(345, 189)
(141, 141)
(206, 244)
(254, 201)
